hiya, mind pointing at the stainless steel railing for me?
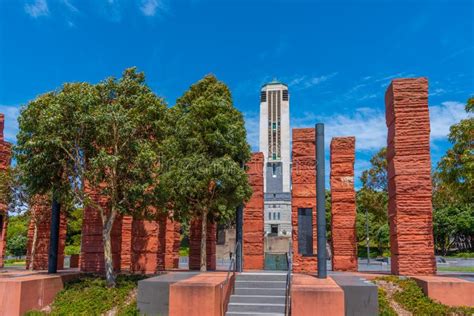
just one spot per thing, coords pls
(289, 257)
(231, 268)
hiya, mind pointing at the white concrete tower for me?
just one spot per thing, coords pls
(275, 145)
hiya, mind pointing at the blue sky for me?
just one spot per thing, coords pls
(337, 57)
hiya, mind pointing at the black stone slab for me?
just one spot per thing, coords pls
(154, 293)
(360, 295)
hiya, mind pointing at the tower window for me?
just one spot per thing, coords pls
(278, 215)
(274, 170)
(269, 215)
(263, 96)
(285, 95)
(274, 216)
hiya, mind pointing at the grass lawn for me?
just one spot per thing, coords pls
(15, 264)
(456, 269)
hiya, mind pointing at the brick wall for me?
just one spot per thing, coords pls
(409, 177)
(303, 193)
(253, 227)
(343, 204)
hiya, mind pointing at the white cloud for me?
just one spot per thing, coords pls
(150, 7)
(37, 8)
(369, 128)
(305, 82)
(70, 6)
(443, 116)
(11, 121)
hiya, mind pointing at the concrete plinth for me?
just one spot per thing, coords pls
(448, 291)
(22, 291)
(154, 293)
(313, 296)
(205, 294)
(360, 295)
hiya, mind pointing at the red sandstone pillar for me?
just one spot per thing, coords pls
(146, 250)
(253, 230)
(195, 245)
(92, 249)
(5, 158)
(126, 247)
(343, 205)
(40, 209)
(303, 193)
(409, 177)
(171, 249)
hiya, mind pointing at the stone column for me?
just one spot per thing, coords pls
(253, 227)
(409, 177)
(303, 194)
(5, 158)
(40, 209)
(195, 245)
(146, 251)
(126, 246)
(343, 205)
(92, 246)
(172, 243)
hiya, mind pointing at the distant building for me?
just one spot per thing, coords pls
(275, 145)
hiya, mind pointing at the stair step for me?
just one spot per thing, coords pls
(260, 284)
(256, 308)
(261, 277)
(260, 291)
(257, 299)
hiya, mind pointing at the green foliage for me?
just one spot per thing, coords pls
(373, 198)
(90, 296)
(384, 305)
(17, 234)
(74, 229)
(203, 154)
(16, 245)
(72, 250)
(453, 184)
(106, 136)
(412, 298)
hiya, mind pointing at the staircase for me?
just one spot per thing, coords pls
(258, 294)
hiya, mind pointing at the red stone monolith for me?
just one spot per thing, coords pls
(92, 249)
(343, 205)
(303, 193)
(195, 245)
(253, 230)
(409, 177)
(5, 158)
(40, 225)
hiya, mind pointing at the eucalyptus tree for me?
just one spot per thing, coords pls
(203, 154)
(85, 139)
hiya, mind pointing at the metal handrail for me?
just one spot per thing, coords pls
(232, 267)
(289, 258)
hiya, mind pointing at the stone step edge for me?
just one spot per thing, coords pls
(261, 281)
(257, 304)
(255, 314)
(242, 295)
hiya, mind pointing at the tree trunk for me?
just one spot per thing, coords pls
(203, 241)
(33, 246)
(108, 260)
